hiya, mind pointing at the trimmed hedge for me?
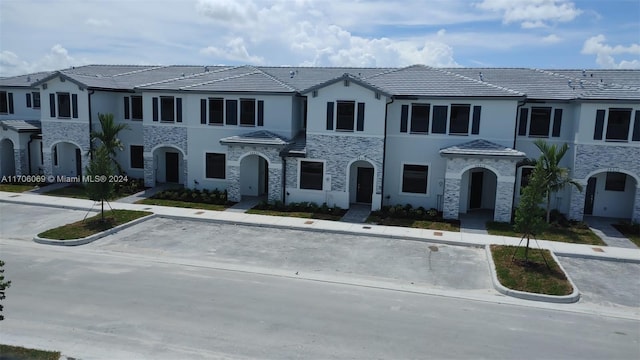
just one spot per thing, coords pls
(205, 196)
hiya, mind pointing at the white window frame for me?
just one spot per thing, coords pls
(428, 190)
(324, 171)
(204, 164)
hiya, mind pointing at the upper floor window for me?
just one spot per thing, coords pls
(33, 100)
(66, 105)
(540, 121)
(6, 102)
(216, 111)
(169, 109)
(459, 119)
(133, 107)
(311, 174)
(248, 112)
(420, 118)
(345, 115)
(618, 124)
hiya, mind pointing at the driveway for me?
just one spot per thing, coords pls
(22, 222)
(294, 251)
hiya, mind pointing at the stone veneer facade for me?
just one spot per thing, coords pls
(235, 154)
(593, 159)
(20, 159)
(158, 136)
(505, 171)
(339, 152)
(54, 132)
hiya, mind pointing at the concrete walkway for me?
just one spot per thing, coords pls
(601, 226)
(475, 221)
(246, 203)
(446, 237)
(147, 193)
(357, 213)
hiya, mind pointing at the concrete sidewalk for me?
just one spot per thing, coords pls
(447, 237)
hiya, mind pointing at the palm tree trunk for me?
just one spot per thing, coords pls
(548, 207)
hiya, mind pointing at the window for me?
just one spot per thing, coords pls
(64, 105)
(459, 120)
(248, 112)
(439, 119)
(414, 179)
(4, 103)
(525, 175)
(215, 167)
(136, 107)
(167, 112)
(540, 121)
(420, 118)
(618, 124)
(33, 100)
(216, 111)
(615, 181)
(522, 126)
(345, 115)
(311, 173)
(136, 156)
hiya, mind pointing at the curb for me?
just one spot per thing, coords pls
(94, 237)
(563, 299)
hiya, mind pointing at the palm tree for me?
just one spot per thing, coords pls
(109, 136)
(555, 176)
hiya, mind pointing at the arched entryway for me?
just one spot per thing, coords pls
(7, 159)
(254, 176)
(168, 165)
(478, 190)
(610, 194)
(361, 182)
(67, 159)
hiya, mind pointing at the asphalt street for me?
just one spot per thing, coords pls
(96, 305)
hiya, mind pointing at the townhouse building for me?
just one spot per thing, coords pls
(453, 139)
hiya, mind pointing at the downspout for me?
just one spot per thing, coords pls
(90, 92)
(384, 149)
(284, 178)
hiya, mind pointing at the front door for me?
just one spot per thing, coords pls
(171, 161)
(475, 201)
(590, 196)
(364, 192)
(78, 163)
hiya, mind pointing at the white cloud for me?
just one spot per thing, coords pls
(234, 50)
(98, 22)
(596, 45)
(551, 39)
(532, 13)
(57, 58)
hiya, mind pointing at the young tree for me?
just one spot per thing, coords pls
(99, 170)
(3, 286)
(529, 219)
(108, 137)
(555, 176)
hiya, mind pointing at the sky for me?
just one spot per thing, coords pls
(44, 35)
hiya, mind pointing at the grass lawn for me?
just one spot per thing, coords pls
(573, 234)
(532, 276)
(182, 204)
(72, 191)
(93, 225)
(420, 224)
(298, 214)
(16, 187)
(630, 231)
(18, 352)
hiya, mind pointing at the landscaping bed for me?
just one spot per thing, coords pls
(408, 216)
(302, 210)
(572, 232)
(121, 189)
(190, 198)
(532, 275)
(19, 352)
(20, 186)
(93, 225)
(629, 230)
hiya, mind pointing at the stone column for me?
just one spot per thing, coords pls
(149, 170)
(576, 207)
(636, 205)
(185, 171)
(233, 187)
(47, 163)
(20, 162)
(275, 184)
(451, 209)
(504, 201)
